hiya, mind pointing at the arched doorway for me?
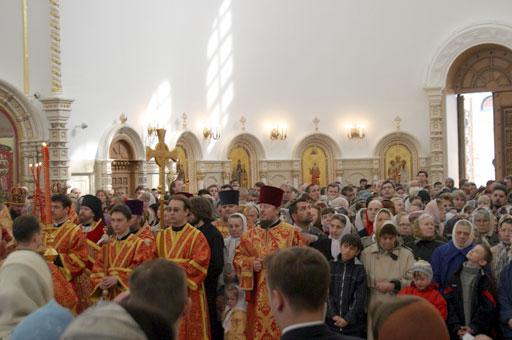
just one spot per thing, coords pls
(123, 167)
(481, 81)
(8, 153)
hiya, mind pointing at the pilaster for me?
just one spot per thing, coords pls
(437, 124)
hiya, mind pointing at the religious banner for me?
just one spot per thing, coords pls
(314, 166)
(398, 163)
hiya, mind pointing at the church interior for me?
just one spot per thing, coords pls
(270, 91)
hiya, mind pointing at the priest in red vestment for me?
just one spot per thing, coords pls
(117, 257)
(186, 246)
(138, 226)
(228, 205)
(270, 235)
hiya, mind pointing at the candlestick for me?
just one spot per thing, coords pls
(46, 176)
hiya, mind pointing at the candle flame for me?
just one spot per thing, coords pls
(44, 144)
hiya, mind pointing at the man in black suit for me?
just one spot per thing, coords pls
(298, 283)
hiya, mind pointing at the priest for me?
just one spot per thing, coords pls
(117, 257)
(270, 235)
(138, 225)
(228, 205)
(186, 246)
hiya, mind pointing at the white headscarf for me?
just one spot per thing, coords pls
(359, 222)
(228, 311)
(25, 285)
(231, 242)
(376, 218)
(459, 224)
(335, 243)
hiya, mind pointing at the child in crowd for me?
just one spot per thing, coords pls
(235, 316)
(237, 225)
(471, 306)
(348, 292)
(423, 286)
(501, 252)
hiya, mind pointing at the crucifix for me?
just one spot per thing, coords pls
(162, 156)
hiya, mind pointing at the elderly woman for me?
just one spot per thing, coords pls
(252, 213)
(448, 258)
(365, 218)
(485, 230)
(405, 229)
(386, 263)
(425, 238)
(382, 216)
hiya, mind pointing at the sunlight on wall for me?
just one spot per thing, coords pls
(86, 151)
(158, 112)
(219, 83)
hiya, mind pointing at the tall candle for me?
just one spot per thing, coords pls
(46, 176)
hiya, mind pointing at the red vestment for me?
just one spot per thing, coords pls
(189, 249)
(222, 227)
(146, 234)
(255, 244)
(118, 258)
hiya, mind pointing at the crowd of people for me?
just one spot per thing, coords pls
(333, 262)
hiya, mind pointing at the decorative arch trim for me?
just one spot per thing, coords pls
(460, 41)
(191, 144)
(395, 138)
(255, 150)
(126, 133)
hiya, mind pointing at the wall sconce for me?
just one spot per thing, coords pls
(356, 131)
(152, 135)
(278, 133)
(211, 133)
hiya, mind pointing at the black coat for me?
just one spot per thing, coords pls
(347, 297)
(324, 246)
(319, 332)
(483, 305)
(423, 249)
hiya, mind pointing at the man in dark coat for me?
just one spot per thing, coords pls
(201, 217)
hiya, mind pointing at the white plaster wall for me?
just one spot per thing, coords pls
(292, 60)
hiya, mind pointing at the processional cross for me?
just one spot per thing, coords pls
(162, 156)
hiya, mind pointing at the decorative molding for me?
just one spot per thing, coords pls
(55, 46)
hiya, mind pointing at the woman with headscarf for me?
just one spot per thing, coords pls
(436, 209)
(448, 258)
(485, 230)
(386, 264)
(381, 216)
(237, 225)
(330, 247)
(26, 285)
(501, 254)
(425, 241)
(366, 216)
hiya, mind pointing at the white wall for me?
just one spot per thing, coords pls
(292, 60)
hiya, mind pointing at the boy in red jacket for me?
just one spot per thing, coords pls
(423, 286)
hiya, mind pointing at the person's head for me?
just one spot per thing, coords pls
(120, 219)
(232, 295)
(373, 207)
(290, 295)
(482, 220)
(349, 193)
(333, 191)
(404, 224)
(90, 209)
(326, 215)
(75, 192)
(499, 196)
(387, 190)
(363, 182)
(102, 195)
(387, 236)
(27, 231)
(160, 284)
(300, 212)
(180, 209)
(463, 234)
(480, 255)
(234, 184)
(313, 191)
(201, 210)
(288, 193)
(237, 225)
(60, 207)
(213, 189)
(228, 203)
(382, 216)
(422, 177)
(337, 226)
(270, 204)
(399, 204)
(177, 186)
(252, 213)
(484, 202)
(350, 247)
(505, 229)
(416, 204)
(459, 199)
(425, 228)
(449, 183)
(137, 209)
(421, 274)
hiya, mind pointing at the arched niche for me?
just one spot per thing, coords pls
(189, 153)
(398, 155)
(247, 148)
(120, 136)
(28, 125)
(324, 146)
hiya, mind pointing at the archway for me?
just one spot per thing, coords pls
(398, 155)
(22, 132)
(317, 154)
(189, 152)
(247, 150)
(443, 99)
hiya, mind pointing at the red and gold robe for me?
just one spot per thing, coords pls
(118, 258)
(69, 242)
(146, 234)
(255, 244)
(189, 249)
(222, 227)
(63, 290)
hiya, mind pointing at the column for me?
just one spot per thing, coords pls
(437, 135)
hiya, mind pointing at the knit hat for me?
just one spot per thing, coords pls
(423, 267)
(94, 204)
(229, 197)
(270, 195)
(136, 206)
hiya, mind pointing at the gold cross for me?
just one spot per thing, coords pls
(162, 156)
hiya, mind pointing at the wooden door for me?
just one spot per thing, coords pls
(123, 173)
(502, 102)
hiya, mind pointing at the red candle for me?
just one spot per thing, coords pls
(46, 176)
